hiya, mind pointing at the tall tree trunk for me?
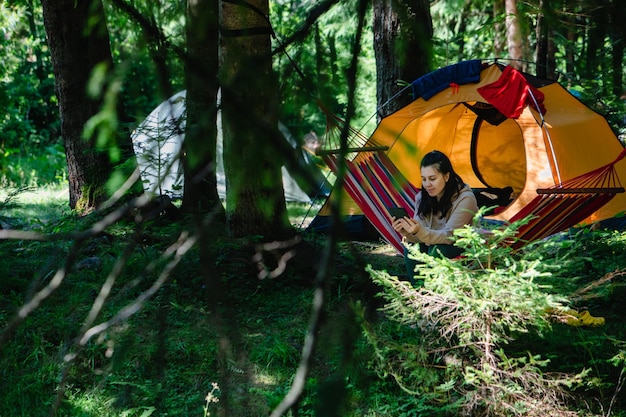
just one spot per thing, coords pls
(498, 36)
(200, 190)
(32, 25)
(78, 41)
(462, 27)
(255, 200)
(551, 70)
(513, 33)
(546, 49)
(597, 26)
(541, 50)
(618, 33)
(403, 47)
(570, 48)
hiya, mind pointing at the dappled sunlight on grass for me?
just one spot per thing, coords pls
(89, 403)
(263, 378)
(34, 205)
(301, 215)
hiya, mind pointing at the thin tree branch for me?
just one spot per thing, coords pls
(305, 28)
(324, 273)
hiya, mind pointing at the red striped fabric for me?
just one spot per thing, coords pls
(375, 184)
(569, 203)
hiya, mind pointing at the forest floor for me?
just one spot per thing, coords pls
(243, 338)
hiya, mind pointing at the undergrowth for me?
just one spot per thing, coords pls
(474, 336)
(195, 348)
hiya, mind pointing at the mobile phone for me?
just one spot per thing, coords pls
(397, 212)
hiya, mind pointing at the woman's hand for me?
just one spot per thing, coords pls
(406, 226)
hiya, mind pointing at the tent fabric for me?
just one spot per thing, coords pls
(157, 142)
(527, 153)
(564, 205)
(487, 112)
(376, 185)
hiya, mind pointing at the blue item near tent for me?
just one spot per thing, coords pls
(432, 83)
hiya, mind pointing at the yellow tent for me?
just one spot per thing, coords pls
(553, 137)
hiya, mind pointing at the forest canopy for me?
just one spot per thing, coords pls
(311, 56)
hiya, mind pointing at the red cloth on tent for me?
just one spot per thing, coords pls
(511, 93)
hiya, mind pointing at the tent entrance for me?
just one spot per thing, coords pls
(485, 155)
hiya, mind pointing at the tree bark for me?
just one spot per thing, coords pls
(403, 48)
(541, 50)
(498, 38)
(597, 25)
(462, 27)
(513, 34)
(551, 70)
(618, 34)
(200, 189)
(32, 25)
(78, 42)
(570, 47)
(255, 200)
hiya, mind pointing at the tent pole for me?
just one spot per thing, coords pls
(545, 129)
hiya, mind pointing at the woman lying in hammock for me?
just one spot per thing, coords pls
(447, 204)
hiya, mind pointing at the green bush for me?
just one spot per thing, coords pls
(20, 169)
(448, 343)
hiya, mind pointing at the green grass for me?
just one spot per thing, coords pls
(246, 336)
(31, 207)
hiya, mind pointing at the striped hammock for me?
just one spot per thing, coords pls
(566, 204)
(375, 184)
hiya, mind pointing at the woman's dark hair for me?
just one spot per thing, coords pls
(430, 205)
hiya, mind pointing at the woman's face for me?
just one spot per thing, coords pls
(433, 181)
